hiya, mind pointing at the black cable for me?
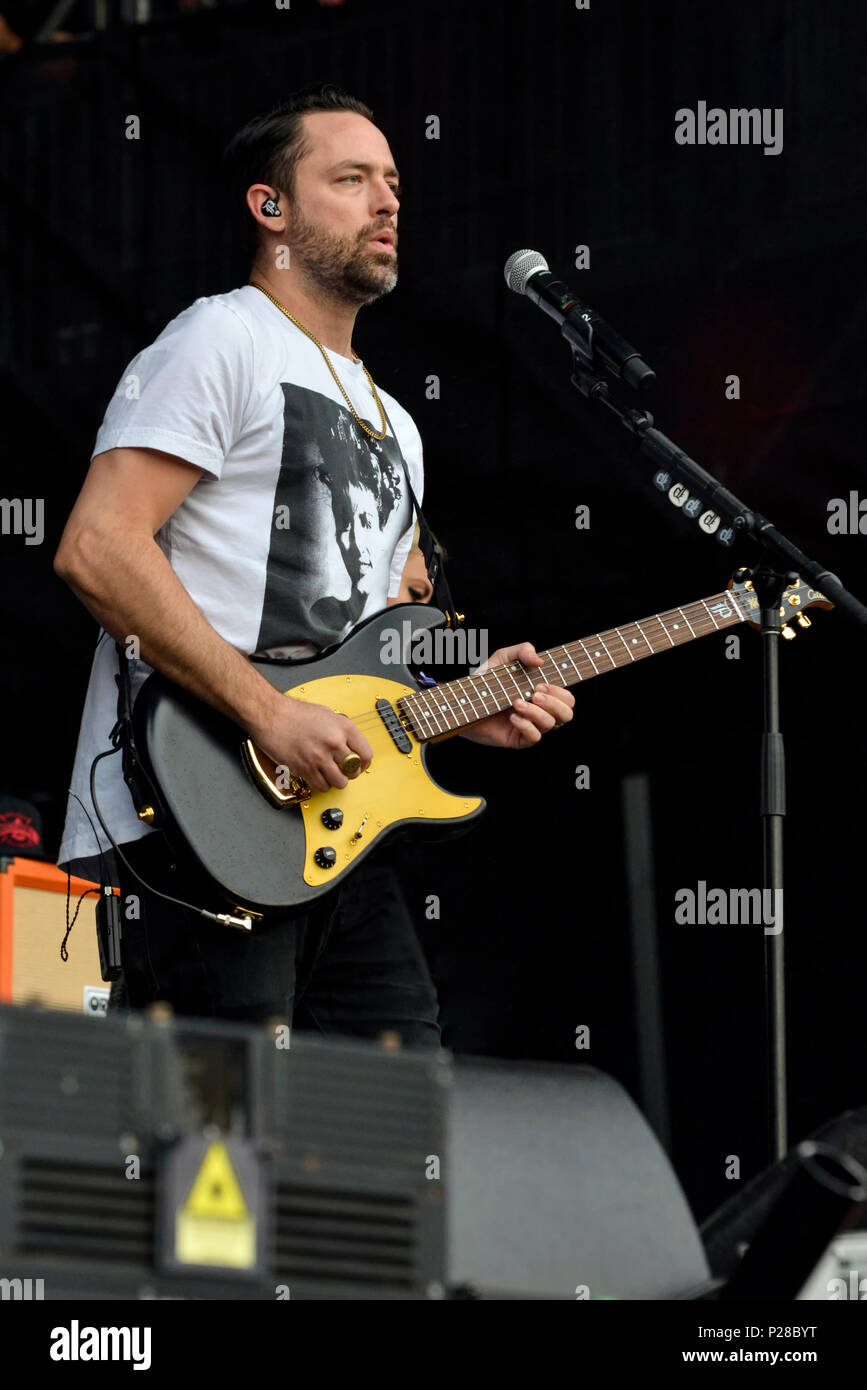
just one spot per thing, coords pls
(64, 954)
(103, 876)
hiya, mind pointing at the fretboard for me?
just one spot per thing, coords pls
(449, 707)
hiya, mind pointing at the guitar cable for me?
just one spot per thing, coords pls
(245, 923)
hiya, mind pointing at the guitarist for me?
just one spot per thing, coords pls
(250, 491)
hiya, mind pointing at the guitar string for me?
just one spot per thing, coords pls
(699, 627)
(413, 721)
(437, 715)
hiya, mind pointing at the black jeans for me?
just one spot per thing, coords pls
(353, 964)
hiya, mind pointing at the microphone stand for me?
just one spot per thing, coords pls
(780, 564)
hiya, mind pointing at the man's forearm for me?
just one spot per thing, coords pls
(132, 590)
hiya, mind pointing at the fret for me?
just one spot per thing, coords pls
(509, 670)
(665, 629)
(407, 716)
(458, 705)
(522, 668)
(445, 707)
(424, 714)
(686, 620)
(589, 658)
(465, 699)
(483, 689)
(601, 639)
(493, 672)
(598, 640)
(567, 652)
(710, 615)
(640, 630)
(626, 649)
(433, 712)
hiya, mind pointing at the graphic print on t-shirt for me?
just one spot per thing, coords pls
(337, 517)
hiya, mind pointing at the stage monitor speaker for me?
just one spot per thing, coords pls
(190, 1158)
(558, 1188)
(546, 1184)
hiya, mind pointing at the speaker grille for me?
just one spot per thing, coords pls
(325, 1234)
(87, 1213)
(371, 1112)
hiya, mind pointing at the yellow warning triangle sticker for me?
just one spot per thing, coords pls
(216, 1191)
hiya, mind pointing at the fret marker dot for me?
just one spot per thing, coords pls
(635, 641)
(676, 626)
(564, 665)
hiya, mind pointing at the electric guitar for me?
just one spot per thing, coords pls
(267, 841)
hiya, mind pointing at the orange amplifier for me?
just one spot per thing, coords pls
(32, 928)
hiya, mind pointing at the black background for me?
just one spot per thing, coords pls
(556, 130)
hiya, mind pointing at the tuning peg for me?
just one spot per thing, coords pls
(803, 620)
(789, 632)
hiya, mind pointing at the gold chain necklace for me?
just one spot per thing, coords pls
(366, 428)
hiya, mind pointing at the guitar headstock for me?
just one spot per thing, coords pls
(793, 601)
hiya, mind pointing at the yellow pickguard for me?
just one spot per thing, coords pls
(394, 788)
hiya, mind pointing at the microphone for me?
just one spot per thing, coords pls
(527, 273)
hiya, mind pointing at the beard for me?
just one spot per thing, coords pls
(345, 268)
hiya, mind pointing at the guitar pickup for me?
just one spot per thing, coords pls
(391, 719)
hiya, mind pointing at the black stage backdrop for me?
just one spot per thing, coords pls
(556, 129)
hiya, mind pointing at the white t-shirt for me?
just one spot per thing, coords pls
(298, 528)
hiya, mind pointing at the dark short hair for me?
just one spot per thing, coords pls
(267, 149)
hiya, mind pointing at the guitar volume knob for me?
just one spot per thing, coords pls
(326, 857)
(332, 819)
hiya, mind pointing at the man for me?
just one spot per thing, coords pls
(204, 530)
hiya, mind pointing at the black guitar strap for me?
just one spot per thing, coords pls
(141, 787)
(430, 547)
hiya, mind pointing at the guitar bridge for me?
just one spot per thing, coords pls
(280, 786)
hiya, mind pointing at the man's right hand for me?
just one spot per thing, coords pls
(311, 741)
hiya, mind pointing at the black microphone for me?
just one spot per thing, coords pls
(527, 273)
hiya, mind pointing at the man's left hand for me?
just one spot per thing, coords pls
(526, 722)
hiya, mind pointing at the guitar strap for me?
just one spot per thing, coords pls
(430, 547)
(141, 788)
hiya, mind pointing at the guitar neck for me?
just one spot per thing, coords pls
(454, 705)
